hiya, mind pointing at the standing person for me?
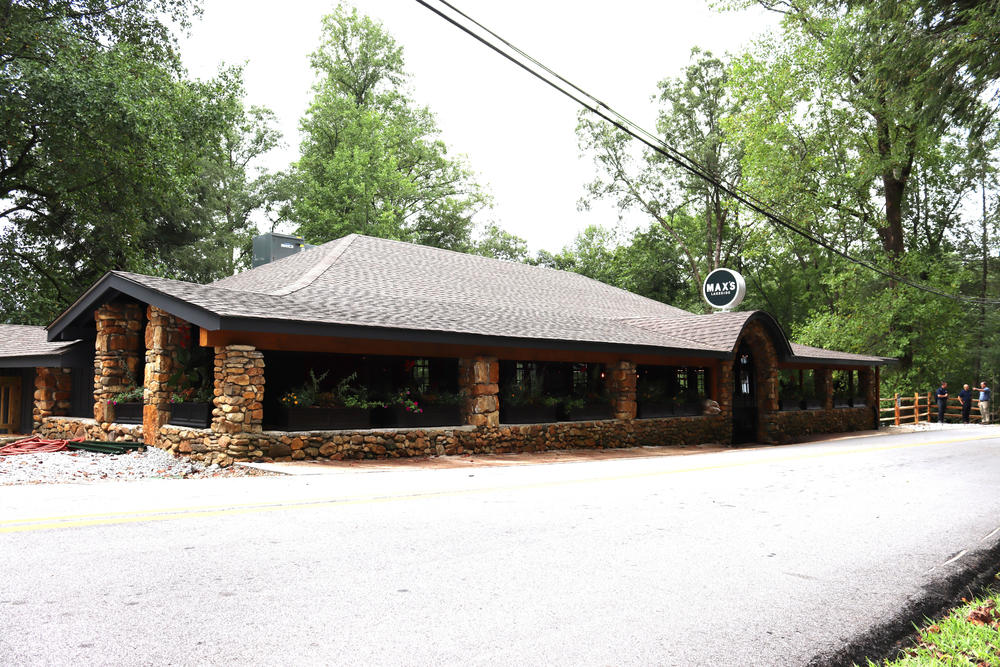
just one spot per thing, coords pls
(984, 402)
(965, 398)
(942, 399)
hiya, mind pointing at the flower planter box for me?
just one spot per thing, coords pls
(590, 412)
(128, 413)
(432, 415)
(654, 410)
(528, 414)
(324, 419)
(192, 415)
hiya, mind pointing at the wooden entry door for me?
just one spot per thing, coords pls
(744, 397)
(10, 404)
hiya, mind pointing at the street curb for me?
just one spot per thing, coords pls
(972, 575)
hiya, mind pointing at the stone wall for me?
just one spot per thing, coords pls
(165, 336)
(793, 424)
(88, 429)
(204, 444)
(117, 354)
(53, 393)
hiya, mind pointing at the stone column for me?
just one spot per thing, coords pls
(239, 390)
(117, 354)
(621, 389)
(164, 336)
(725, 388)
(478, 378)
(53, 391)
(868, 389)
(824, 386)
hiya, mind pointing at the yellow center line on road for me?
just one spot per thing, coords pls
(164, 514)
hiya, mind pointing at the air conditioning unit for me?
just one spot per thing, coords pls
(271, 246)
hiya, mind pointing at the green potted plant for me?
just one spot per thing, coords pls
(589, 408)
(127, 405)
(191, 407)
(653, 400)
(525, 405)
(191, 402)
(346, 406)
(410, 409)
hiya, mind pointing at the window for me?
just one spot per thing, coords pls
(844, 388)
(421, 373)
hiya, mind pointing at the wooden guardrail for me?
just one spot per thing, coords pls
(914, 409)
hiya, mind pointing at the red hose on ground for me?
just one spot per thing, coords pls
(36, 445)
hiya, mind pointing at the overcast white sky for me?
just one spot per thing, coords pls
(518, 134)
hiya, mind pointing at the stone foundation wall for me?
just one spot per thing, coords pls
(53, 392)
(204, 444)
(797, 423)
(88, 429)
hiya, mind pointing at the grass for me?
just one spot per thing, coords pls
(969, 635)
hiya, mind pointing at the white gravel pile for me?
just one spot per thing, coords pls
(84, 467)
(934, 426)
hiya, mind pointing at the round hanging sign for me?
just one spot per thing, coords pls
(724, 289)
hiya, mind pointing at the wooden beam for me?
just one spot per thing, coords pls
(301, 343)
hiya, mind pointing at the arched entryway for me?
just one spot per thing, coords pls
(755, 381)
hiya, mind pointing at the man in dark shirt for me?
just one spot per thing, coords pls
(942, 399)
(965, 398)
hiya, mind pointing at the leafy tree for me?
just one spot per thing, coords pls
(856, 92)
(371, 159)
(109, 157)
(699, 218)
(860, 122)
(499, 244)
(645, 262)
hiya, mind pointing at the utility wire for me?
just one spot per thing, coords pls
(596, 106)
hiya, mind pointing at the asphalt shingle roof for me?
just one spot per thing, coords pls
(371, 282)
(20, 340)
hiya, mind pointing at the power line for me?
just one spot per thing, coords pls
(623, 123)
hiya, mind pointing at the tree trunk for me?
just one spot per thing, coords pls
(892, 233)
(982, 290)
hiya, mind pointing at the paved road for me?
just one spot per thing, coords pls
(748, 557)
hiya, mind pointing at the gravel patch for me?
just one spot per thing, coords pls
(934, 426)
(74, 467)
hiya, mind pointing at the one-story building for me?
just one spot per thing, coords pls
(366, 347)
(28, 361)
